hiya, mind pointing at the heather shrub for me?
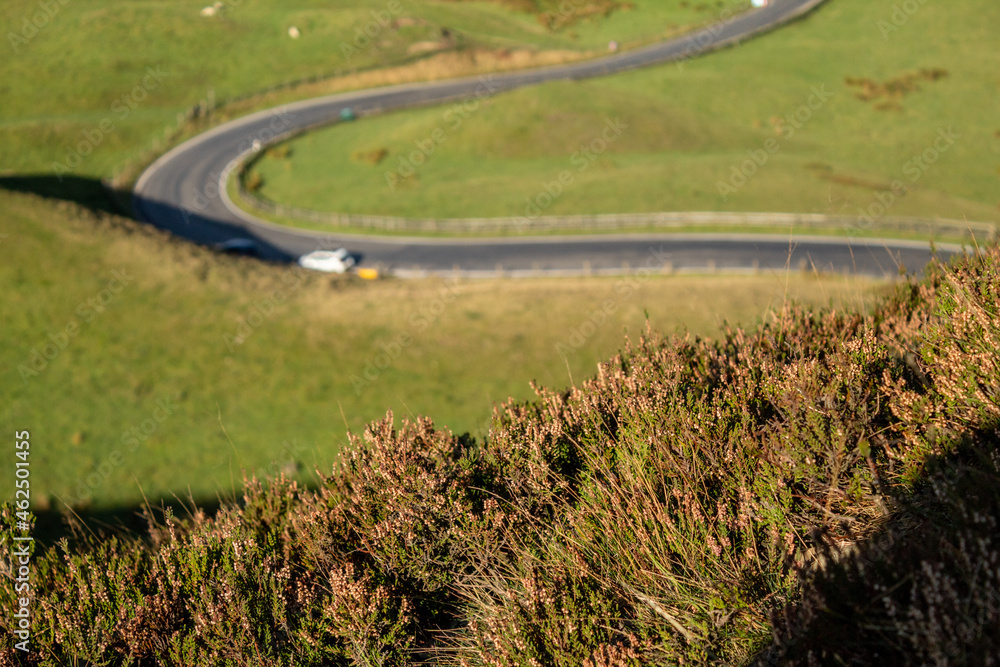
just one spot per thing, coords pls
(958, 359)
(926, 588)
(230, 589)
(692, 503)
(690, 478)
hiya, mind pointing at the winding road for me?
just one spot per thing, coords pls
(184, 191)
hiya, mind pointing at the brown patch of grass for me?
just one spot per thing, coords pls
(889, 94)
(553, 19)
(556, 15)
(826, 173)
(426, 47)
(280, 152)
(373, 157)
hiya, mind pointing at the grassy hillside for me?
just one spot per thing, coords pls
(266, 369)
(832, 111)
(820, 490)
(97, 57)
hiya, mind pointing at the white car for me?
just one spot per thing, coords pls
(330, 261)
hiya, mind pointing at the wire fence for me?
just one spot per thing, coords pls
(981, 231)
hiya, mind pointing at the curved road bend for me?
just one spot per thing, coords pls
(182, 191)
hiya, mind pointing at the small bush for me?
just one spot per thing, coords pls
(254, 181)
(280, 152)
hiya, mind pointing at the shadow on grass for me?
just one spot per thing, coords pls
(130, 521)
(199, 227)
(87, 192)
(93, 195)
(127, 521)
(938, 540)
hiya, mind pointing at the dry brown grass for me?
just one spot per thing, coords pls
(452, 64)
(888, 95)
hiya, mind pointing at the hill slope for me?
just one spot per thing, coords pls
(830, 477)
(822, 116)
(138, 77)
(218, 339)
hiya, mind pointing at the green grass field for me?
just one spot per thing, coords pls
(684, 130)
(94, 57)
(265, 369)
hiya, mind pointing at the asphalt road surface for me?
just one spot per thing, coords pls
(183, 191)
